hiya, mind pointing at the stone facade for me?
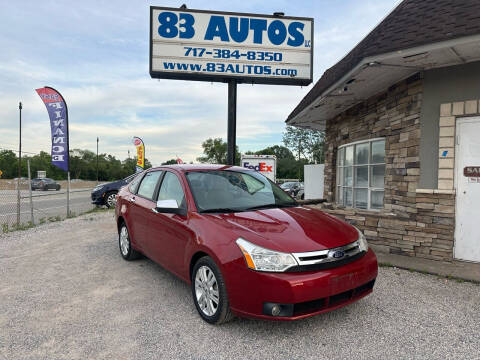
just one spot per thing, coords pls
(413, 222)
(449, 113)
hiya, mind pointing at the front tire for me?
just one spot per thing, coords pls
(209, 292)
(126, 250)
(110, 199)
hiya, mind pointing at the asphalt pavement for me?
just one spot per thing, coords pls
(65, 293)
(46, 204)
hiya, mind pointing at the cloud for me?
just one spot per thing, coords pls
(96, 55)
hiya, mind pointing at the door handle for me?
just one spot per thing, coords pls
(132, 200)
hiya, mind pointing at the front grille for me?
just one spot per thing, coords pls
(327, 259)
(334, 300)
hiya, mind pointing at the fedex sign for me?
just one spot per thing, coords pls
(265, 164)
(262, 167)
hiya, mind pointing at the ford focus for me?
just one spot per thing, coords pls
(244, 246)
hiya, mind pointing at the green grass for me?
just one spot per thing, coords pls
(6, 228)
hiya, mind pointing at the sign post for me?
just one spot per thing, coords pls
(187, 44)
(19, 162)
(30, 192)
(232, 122)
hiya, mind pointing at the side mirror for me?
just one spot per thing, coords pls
(169, 207)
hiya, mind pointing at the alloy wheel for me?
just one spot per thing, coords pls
(124, 241)
(111, 200)
(206, 290)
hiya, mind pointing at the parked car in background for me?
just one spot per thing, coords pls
(45, 184)
(105, 194)
(245, 247)
(293, 188)
(300, 194)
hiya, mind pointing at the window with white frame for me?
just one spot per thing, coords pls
(361, 174)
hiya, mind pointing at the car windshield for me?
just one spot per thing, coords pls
(287, 185)
(232, 191)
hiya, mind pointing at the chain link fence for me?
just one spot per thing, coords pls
(21, 207)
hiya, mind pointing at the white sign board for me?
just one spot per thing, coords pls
(264, 164)
(214, 46)
(314, 176)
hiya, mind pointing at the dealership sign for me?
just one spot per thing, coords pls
(215, 46)
(58, 113)
(139, 145)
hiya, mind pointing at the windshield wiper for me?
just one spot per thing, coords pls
(270, 206)
(220, 210)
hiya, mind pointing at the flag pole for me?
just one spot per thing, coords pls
(19, 162)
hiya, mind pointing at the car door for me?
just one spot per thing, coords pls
(168, 234)
(140, 204)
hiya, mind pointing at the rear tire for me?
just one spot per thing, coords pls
(210, 293)
(126, 249)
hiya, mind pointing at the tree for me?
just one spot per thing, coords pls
(8, 164)
(306, 143)
(170, 162)
(215, 151)
(83, 165)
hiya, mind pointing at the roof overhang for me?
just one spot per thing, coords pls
(377, 73)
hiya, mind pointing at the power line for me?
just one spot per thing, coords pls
(26, 152)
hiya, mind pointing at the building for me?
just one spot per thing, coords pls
(402, 121)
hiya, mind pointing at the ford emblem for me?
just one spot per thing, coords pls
(338, 254)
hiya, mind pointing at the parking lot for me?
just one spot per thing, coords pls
(65, 293)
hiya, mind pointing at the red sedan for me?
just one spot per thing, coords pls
(245, 246)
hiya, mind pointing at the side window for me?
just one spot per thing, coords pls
(134, 184)
(171, 189)
(129, 178)
(148, 184)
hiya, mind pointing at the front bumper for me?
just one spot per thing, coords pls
(300, 295)
(98, 198)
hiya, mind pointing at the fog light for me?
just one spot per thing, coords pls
(276, 309)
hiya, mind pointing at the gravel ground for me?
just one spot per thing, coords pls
(65, 293)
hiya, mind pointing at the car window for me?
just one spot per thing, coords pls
(134, 184)
(148, 184)
(171, 189)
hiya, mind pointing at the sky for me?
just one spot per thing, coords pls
(96, 53)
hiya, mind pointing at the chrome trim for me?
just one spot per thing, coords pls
(327, 256)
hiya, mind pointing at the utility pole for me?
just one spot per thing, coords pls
(19, 162)
(97, 160)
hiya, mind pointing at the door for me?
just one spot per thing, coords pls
(467, 234)
(168, 234)
(140, 205)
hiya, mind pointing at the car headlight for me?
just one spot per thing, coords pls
(362, 241)
(261, 259)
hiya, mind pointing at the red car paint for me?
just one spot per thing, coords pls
(175, 241)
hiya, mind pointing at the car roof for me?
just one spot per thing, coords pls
(202, 167)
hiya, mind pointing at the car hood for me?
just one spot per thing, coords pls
(297, 229)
